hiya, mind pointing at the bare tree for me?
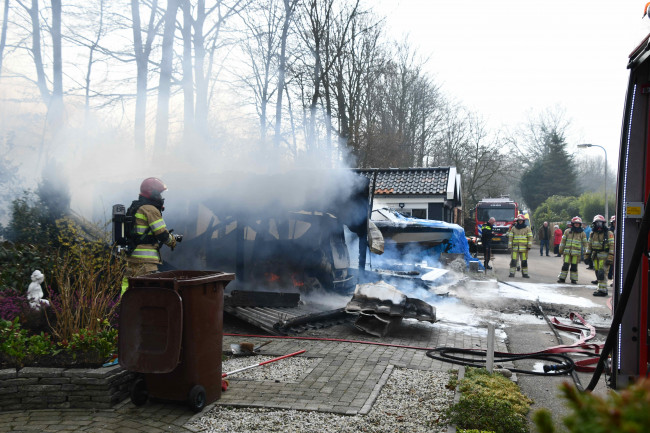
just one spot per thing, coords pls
(289, 9)
(164, 82)
(142, 50)
(532, 140)
(189, 128)
(3, 32)
(208, 26)
(261, 46)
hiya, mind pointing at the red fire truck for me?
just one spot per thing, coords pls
(631, 338)
(504, 211)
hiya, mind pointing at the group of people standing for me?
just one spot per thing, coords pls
(573, 245)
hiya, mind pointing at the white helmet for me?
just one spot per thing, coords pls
(599, 218)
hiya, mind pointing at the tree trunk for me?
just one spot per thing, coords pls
(164, 84)
(289, 6)
(93, 47)
(141, 59)
(188, 82)
(36, 52)
(56, 106)
(3, 35)
(201, 104)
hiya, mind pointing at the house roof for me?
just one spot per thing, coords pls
(440, 181)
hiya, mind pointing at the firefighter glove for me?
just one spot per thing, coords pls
(171, 242)
(608, 263)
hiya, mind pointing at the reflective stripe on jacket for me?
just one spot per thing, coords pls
(601, 243)
(573, 242)
(520, 239)
(148, 220)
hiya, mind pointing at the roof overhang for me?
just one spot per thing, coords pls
(451, 183)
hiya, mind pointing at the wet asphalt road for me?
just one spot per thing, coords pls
(530, 337)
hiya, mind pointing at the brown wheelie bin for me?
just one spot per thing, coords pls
(171, 331)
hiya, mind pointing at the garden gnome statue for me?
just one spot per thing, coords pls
(34, 291)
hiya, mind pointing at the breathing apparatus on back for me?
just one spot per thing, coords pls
(125, 236)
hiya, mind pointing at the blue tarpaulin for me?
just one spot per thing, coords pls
(457, 243)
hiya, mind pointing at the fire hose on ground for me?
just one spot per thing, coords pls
(225, 383)
(561, 364)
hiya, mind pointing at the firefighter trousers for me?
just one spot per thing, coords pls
(570, 261)
(137, 270)
(524, 262)
(601, 272)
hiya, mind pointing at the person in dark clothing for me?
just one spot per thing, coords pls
(612, 228)
(544, 234)
(486, 240)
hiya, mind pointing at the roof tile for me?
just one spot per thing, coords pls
(409, 181)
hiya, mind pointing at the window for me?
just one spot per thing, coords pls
(419, 213)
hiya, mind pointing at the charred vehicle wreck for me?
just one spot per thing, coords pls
(283, 237)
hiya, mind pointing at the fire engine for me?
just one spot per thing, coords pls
(504, 211)
(630, 325)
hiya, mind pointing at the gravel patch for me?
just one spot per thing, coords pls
(284, 370)
(411, 401)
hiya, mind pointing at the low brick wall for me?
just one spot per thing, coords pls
(61, 388)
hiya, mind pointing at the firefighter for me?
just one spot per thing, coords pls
(520, 240)
(150, 231)
(612, 229)
(486, 240)
(601, 250)
(571, 246)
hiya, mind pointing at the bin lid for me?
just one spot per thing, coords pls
(151, 330)
(180, 279)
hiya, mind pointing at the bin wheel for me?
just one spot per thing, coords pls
(139, 394)
(197, 398)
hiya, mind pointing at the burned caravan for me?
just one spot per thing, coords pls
(277, 233)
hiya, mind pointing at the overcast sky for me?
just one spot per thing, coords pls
(504, 58)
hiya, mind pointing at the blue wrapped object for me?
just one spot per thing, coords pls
(398, 227)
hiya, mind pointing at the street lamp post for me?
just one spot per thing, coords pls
(606, 206)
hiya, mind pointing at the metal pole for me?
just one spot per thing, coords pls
(606, 204)
(604, 150)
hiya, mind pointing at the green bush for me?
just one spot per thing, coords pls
(18, 348)
(556, 208)
(490, 402)
(103, 342)
(12, 342)
(621, 412)
(18, 261)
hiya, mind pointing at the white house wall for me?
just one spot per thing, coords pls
(409, 203)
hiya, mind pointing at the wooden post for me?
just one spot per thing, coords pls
(489, 360)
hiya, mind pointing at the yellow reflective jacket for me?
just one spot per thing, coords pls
(520, 239)
(601, 243)
(149, 221)
(573, 242)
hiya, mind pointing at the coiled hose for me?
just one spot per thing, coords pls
(562, 364)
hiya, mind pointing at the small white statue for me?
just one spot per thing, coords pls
(35, 292)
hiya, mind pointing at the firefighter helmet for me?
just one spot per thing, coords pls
(152, 187)
(521, 217)
(576, 219)
(599, 218)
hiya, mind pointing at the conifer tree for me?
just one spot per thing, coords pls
(554, 173)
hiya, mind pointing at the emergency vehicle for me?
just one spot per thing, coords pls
(630, 335)
(504, 211)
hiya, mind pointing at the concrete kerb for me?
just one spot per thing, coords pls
(461, 375)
